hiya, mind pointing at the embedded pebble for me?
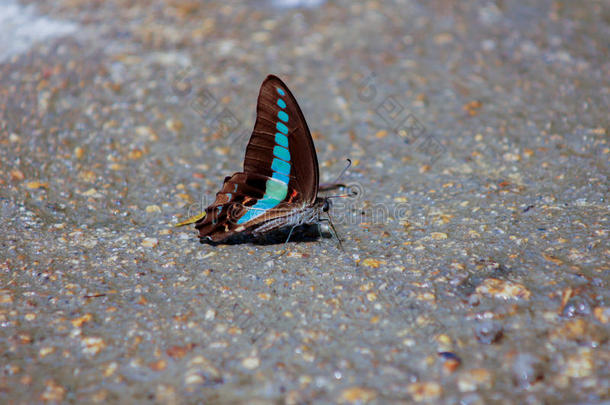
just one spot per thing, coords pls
(92, 345)
(53, 392)
(17, 175)
(153, 209)
(251, 363)
(373, 263)
(579, 330)
(78, 322)
(33, 185)
(424, 391)
(201, 370)
(174, 125)
(357, 395)
(602, 314)
(488, 332)
(527, 369)
(439, 235)
(503, 289)
(451, 361)
(580, 364)
(150, 242)
(474, 379)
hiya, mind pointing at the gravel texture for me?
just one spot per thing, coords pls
(476, 261)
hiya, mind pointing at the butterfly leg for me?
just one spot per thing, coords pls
(334, 231)
(290, 234)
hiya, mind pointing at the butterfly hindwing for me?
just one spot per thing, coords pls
(241, 193)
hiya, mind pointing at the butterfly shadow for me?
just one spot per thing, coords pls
(300, 233)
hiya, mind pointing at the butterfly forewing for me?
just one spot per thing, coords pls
(281, 145)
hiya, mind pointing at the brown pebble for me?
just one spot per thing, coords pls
(178, 352)
(581, 331)
(580, 364)
(381, 134)
(53, 392)
(135, 154)
(471, 380)
(158, 365)
(110, 369)
(503, 289)
(438, 235)
(78, 322)
(373, 263)
(33, 185)
(17, 175)
(451, 361)
(602, 314)
(150, 242)
(152, 209)
(174, 125)
(472, 108)
(425, 391)
(92, 345)
(79, 152)
(357, 395)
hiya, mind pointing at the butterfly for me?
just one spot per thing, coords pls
(279, 184)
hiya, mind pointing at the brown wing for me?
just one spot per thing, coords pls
(280, 125)
(280, 169)
(239, 194)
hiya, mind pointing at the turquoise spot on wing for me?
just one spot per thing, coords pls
(249, 215)
(275, 192)
(282, 153)
(281, 139)
(281, 103)
(229, 195)
(280, 92)
(280, 166)
(281, 177)
(282, 128)
(266, 203)
(283, 116)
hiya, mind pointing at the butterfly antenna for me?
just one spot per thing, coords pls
(349, 164)
(335, 184)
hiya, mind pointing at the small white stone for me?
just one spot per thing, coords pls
(251, 363)
(150, 242)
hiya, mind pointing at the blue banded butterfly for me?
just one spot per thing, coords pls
(279, 184)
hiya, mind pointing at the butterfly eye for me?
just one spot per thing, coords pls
(326, 206)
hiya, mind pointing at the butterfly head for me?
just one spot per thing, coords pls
(326, 204)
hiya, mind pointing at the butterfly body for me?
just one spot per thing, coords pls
(278, 186)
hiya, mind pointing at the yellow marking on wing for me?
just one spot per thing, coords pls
(191, 220)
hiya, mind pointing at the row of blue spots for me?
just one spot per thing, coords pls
(280, 164)
(276, 188)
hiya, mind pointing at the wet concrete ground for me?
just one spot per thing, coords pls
(476, 254)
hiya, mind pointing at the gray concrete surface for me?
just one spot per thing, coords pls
(476, 257)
